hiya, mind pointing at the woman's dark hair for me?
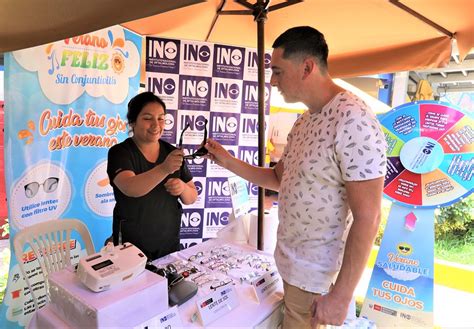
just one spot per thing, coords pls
(137, 103)
(303, 40)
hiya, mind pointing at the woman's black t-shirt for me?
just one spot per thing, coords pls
(151, 222)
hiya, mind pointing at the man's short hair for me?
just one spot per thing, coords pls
(303, 41)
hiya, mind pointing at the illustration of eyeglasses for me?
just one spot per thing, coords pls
(404, 248)
(49, 185)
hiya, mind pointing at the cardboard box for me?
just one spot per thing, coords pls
(125, 305)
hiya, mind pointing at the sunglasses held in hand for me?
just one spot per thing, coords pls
(202, 150)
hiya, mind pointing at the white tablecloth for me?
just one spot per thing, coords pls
(250, 313)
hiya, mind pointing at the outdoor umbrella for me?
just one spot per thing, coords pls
(364, 36)
(26, 23)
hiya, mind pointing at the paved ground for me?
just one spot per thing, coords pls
(452, 308)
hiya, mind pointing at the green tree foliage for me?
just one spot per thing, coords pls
(452, 223)
(456, 222)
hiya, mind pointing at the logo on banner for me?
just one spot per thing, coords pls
(249, 154)
(253, 194)
(197, 123)
(252, 60)
(199, 188)
(165, 86)
(196, 53)
(197, 58)
(248, 130)
(191, 223)
(194, 93)
(226, 95)
(218, 194)
(169, 134)
(214, 170)
(249, 125)
(250, 97)
(188, 243)
(226, 89)
(228, 62)
(196, 166)
(225, 127)
(251, 66)
(252, 189)
(217, 218)
(162, 86)
(92, 63)
(162, 55)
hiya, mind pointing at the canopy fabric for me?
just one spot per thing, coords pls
(364, 36)
(456, 16)
(27, 23)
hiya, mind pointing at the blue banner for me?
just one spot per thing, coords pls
(400, 292)
(65, 107)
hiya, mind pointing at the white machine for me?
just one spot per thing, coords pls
(111, 266)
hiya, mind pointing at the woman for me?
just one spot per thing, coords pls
(148, 176)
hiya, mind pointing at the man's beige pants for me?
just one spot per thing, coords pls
(297, 307)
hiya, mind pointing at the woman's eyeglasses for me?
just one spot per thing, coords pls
(202, 150)
(49, 185)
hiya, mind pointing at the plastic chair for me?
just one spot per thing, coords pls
(44, 239)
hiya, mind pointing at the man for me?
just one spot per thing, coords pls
(330, 181)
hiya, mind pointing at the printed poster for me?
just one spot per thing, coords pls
(65, 107)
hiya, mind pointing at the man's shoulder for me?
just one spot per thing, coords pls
(354, 106)
(348, 97)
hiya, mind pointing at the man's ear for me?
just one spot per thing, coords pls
(309, 65)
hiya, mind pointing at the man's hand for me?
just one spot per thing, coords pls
(217, 153)
(328, 309)
(175, 186)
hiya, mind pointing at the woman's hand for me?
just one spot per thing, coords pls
(217, 153)
(175, 186)
(173, 161)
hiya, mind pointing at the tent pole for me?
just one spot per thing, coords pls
(259, 10)
(260, 14)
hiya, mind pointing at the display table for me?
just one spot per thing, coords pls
(227, 266)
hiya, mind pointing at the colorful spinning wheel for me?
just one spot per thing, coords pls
(430, 154)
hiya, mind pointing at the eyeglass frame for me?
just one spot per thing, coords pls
(175, 281)
(200, 151)
(192, 258)
(221, 283)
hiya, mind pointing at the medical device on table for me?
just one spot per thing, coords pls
(111, 266)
